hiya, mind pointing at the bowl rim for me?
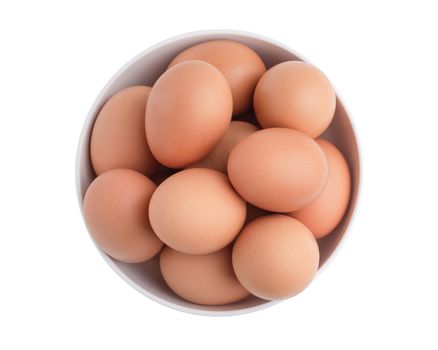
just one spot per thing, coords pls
(83, 139)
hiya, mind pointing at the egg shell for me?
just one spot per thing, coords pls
(275, 257)
(295, 95)
(116, 212)
(196, 211)
(325, 212)
(118, 139)
(217, 159)
(240, 65)
(206, 279)
(278, 169)
(188, 111)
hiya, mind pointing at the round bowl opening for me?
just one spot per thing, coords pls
(145, 69)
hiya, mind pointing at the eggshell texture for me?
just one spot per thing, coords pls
(196, 211)
(116, 212)
(278, 169)
(275, 257)
(240, 65)
(206, 279)
(188, 111)
(295, 95)
(325, 212)
(118, 139)
(217, 159)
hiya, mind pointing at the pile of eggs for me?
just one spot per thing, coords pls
(219, 170)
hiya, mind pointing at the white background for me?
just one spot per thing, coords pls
(380, 291)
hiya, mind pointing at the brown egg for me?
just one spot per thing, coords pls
(116, 212)
(275, 257)
(325, 212)
(295, 95)
(206, 279)
(217, 159)
(278, 169)
(118, 139)
(188, 111)
(196, 211)
(240, 65)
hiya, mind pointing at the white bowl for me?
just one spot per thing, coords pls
(145, 69)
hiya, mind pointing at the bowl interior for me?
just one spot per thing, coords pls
(145, 69)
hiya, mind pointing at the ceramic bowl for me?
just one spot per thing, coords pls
(145, 69)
